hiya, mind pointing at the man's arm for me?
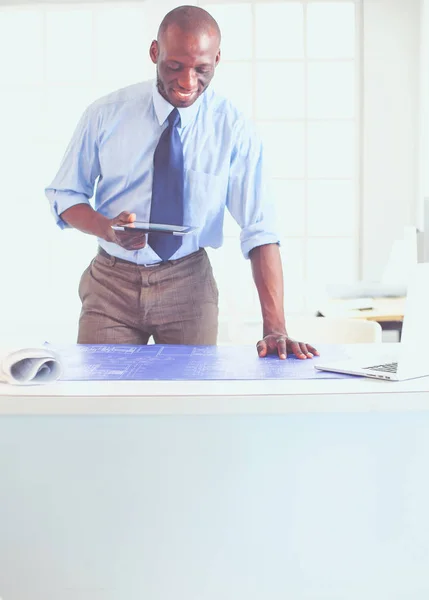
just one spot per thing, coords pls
(88, 220)
(70, 192)
(268, 276)
(73, 185)
(84, 218)
(249, 202)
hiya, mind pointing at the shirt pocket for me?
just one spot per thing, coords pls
(205, 197)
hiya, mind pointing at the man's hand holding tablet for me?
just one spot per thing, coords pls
(130, 234)
(120, 230)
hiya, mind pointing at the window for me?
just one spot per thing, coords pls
(291, 66)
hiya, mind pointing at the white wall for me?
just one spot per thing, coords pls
(391, 36)
(49, 80)
(424, 106)
(390, 143)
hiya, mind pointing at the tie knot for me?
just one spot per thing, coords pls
(174, 118)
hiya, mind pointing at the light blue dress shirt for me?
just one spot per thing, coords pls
(114, 144)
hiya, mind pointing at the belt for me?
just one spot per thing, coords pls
(114, 259)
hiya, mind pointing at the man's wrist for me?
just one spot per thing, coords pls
(279, 327)
(100, 225)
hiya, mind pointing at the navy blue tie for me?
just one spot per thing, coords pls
(167, 188)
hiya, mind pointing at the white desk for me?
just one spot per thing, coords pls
(214, 397)
(215, 490)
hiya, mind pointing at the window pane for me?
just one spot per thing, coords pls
(292, 254)
(280, 90)
(121, 45)
(234, 81)
(235, 22)
(69, 46)
(331, 208)
(331, 150)
(230, 226)
(331, 30)
(284, 148)
(21, 46)
(92, 49)
(232, 273)
(289, 197)
(20, 115)
(48, 161)
(71, 254)
(100, 90)
(64, 107)
(331, 260)
(279, 30)
(331, 90)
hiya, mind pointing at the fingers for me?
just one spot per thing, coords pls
(295, 348)
(308, 350)
(271, 345)
(281, 347)
(305, 350)
(282, 344)
(131, 240)
(262, 348)
(138, 246)
(302, 350)
(133, 244)
(124, 218)
(313, 350)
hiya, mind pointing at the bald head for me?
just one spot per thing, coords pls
(190, 20)
(186, 54)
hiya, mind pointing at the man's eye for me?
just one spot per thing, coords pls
(203, 71)
(174, 68)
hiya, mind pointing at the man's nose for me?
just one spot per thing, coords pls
(188, 80)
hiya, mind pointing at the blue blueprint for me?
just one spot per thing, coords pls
(157, 362)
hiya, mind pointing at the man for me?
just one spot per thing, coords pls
(166, 152)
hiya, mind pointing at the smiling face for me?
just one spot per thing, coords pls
(185, 62)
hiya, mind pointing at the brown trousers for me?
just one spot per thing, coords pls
(123, 303)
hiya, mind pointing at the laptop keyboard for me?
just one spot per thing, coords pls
(386, 368)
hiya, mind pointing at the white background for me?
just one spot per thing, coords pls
(334, 92)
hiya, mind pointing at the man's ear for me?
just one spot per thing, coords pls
(217, 59)
(154, 51)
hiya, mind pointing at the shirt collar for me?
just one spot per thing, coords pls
(164, 108)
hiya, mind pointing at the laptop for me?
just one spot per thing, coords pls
(409, 358)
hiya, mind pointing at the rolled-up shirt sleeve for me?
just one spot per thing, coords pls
(79, 169)
(249, 199)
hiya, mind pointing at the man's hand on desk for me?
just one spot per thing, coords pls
(282, 344)
(130, 240)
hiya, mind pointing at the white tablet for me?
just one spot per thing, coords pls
(155, 227)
